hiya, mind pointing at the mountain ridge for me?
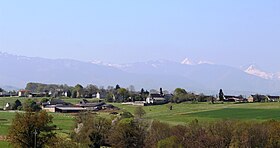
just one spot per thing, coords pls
(201, 77)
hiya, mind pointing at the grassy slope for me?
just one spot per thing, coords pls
(181, 113)
(185, 112)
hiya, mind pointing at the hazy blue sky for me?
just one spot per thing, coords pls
(230, 32)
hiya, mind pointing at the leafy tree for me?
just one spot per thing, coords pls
(223, 131)
(39, 87)
(80, 90)
(137, 98)
(100, 131)
(2, 90)
(221, 95)
(62, 142)
(123, 93)
(110, 89)
(31, 86)
(143, 94)
(126, 114)
(128, 133)
(44, 100)
(250, 135)
(92, 131)
(179, 91)
(74, 94)
(181, 95)
(24, 125)
(31, 105)
(139, 112)
(158, 131)
(92, 89)
(81, 133)
(170, 142)
(110, 97)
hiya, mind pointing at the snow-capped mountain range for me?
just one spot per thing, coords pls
(201, 76)
(253, 70)
(187, 61)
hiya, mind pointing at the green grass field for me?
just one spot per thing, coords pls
(187, 112)
(64, 122)
(4, 144)
(181, 114)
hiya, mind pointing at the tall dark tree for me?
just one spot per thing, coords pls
(142, 91)
(16, 105)
(117, 87)
(221, 95)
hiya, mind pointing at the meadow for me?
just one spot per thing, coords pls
(182, 113)
(186, 112)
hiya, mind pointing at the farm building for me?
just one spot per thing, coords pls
(156, 99)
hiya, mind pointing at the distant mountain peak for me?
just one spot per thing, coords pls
(253, 70)
(187, 61)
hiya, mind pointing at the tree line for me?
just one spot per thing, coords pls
(116, 93)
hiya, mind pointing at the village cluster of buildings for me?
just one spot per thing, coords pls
(57, 105)
(252, 98)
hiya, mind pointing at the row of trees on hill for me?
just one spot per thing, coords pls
(110, 93)
(115, 94)
(35, 129)
(181, 95)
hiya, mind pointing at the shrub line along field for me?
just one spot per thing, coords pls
(180, 114)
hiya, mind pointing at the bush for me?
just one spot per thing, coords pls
(126, 114)
(170, 142)
(139, 112)
(128, 133)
